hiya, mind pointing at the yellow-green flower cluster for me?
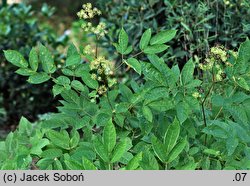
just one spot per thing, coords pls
(102, 66)
(88, 49)
(98, 30)
(219, 73)
(196, 95)
(217, 58)
(102, 89)
(88, 11)
(217, 54)
(102, 70)
(208, 65)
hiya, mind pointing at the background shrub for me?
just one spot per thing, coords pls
(20, 30)
(200, 24)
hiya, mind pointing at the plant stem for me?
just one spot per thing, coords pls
(96, 47)
(203, 102)
(203, 111)
(137, 54)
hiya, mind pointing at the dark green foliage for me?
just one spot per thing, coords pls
(200, 24)
(20, 30)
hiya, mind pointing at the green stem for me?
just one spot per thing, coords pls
(203, 103)
(166, 166)
(110, 167)
(96, 47)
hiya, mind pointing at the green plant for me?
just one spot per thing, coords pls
(166, 119)
(20, 31)
(200, 24)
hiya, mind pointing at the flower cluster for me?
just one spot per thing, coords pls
(102, 70)
(88, 49)
(88, 11)
(98, 30)
(217, 57)
(196, 95)
(217, 54)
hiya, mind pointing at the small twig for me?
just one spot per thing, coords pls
(137, 54)
(96, 48)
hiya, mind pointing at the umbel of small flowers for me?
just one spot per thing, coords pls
(89, 12)
(217, 58)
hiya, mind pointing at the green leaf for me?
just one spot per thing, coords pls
(62, 80)
(154, 49)
(159, 64)
(159, 149)
(242, 83)
(146, 36)
(148, 161)
(206, 163)
(46, 59)
(25, 72)
(81, 69)
(212, 152)
(123, 41)
(52, 153)
(73, 60)
(147, 113)
(122, 107)
(134, 163)
(73, 165)
(67, 72)
(75, 138)
(16, 58)
(33, 59)
(102, 119)
(37, 145)
(72, 50)
(135, 64)
(161, 105)
(77, 85)
(24, 126)
(243, 59)
(187, 72)
(88, 165)
(128, 50)
(38, 78)
(177, 150)
(231, 144)
(58, 165)
(191, 165)
(45, 163)
(60, 139)
(101, 150)
(109, 136)
(163, 37)
(183, 111)
(91, 83)
(172, 135)
(57, 89)
(119, 150)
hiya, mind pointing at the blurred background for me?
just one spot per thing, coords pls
(201, 24)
